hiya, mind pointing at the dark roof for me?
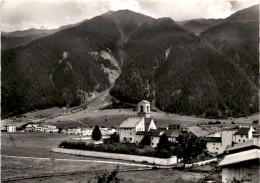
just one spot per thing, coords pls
(162, 128)
(212, 139)
(149, 133)
(242, 131)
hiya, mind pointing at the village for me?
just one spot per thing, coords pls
(222, 142)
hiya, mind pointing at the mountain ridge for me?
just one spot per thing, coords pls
(139, 58)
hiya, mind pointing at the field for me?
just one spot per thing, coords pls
(148, 176)
(38, 146)
(113, 118)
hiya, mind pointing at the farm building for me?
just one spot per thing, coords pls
(242, 162)
(74, 130)
(10, 128)
(243, 134)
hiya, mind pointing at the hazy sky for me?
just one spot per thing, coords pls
(25, 14)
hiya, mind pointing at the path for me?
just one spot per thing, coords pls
(76, 160)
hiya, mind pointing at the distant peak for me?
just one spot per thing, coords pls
(109, 12)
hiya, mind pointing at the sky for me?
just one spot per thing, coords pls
(50, 14)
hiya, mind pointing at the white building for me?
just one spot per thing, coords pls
(214, 144)
(242, 162)
(218, 145)
(132, 125)
(10, 128)
(39, 128)
(86, 131)
(74, 130)
(244, 134)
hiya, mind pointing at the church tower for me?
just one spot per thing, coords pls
(144, 109)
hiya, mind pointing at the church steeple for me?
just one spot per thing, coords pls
(144, 109)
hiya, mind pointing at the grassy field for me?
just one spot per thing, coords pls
(40, 144)
(148, 176)
(13, 167)
(112, 118)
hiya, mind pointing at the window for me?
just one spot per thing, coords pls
(213, 143)
(147, 108)
(141, 109)
(152, 137)
(239, 140)
(152, 143)
(244, 140)
(241, 136)
(130, 138)
(130, 133)
(217, 148)
(124, 138)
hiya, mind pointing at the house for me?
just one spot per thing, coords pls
(86, 131)
(74, 130)
(64, 131)
(10, 128)
(129, 127)
(214, 144)
(38, 128)
(45, 129)
(242, 162)
(243, 134)
(29, 128)
(52, 128)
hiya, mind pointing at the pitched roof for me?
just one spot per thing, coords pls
(198, 131)
(130, 122)
(145, 101)
(242, 145)
(253, 154)
(203, 131)
(212, 139)
(242, 131)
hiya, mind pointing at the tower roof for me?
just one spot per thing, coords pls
(144, 101)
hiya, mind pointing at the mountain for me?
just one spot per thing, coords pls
(196, 26)
(20, 38)
(186, 74)
(59, 69)
(135, 57)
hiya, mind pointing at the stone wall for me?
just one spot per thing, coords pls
(136, 158)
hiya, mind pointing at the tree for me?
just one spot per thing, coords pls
(96, 134)
(114, 137)
(146, 140)
(188, 147)
(163, 149)
(163, 143)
